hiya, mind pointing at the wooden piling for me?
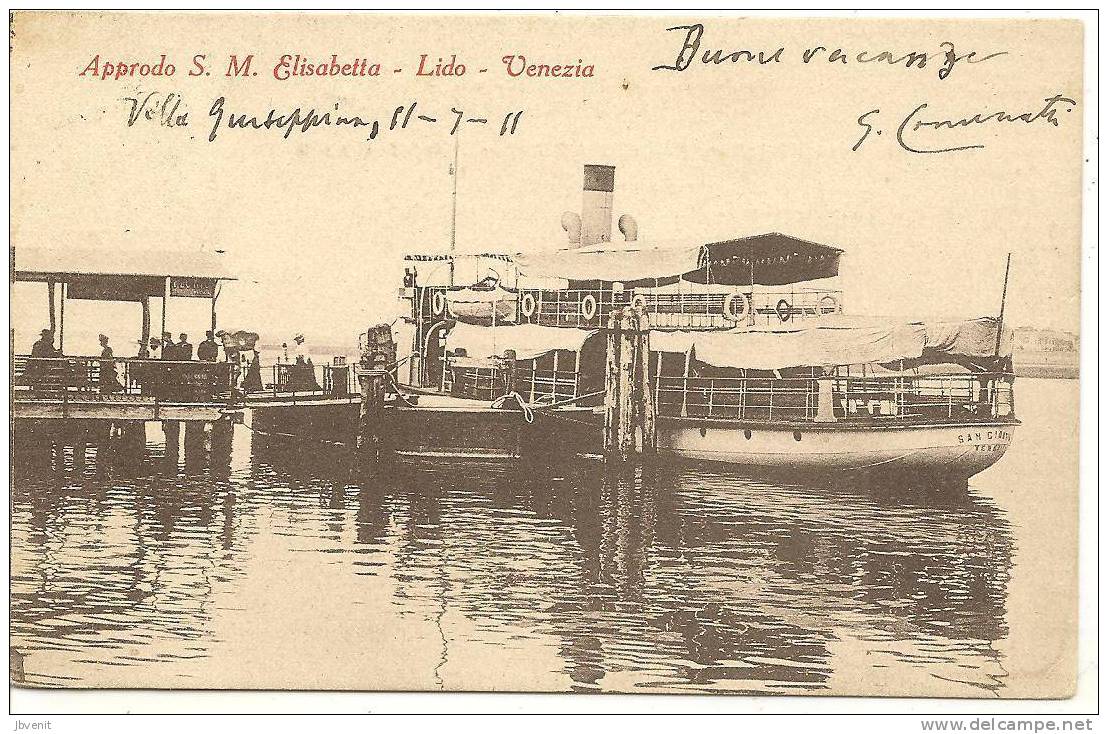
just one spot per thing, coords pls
(222, 439)
(628, 343)
(377, 361)
(611, 385)
(629, 411)
(645, 392)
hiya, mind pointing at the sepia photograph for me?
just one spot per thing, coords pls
(732, 359)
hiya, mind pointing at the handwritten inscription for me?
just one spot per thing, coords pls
(690, 53)
(918, 121)
(170, 110)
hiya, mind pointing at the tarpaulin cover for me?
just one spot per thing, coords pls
(527, 340)
(478, 306)
(826, 345)
(610, 262)
(766, 259)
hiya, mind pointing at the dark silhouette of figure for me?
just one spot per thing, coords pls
(38, 372)
(183, 350)
(208, 350)
(44, 347)
(253, 379)
(109, 380)
(169, 349)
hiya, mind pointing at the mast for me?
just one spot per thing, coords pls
(453, 209)
(1003, 298)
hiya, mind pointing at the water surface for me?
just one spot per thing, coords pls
(289, 569)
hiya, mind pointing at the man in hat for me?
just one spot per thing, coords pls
(44, 347)
(169, 349)
(208, 351)
(36, 372)
(183, 350)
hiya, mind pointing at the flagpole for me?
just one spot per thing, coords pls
(454, 209)
(1003, 299)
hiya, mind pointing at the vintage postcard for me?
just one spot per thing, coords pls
(587, 353)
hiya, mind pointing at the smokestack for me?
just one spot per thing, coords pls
(596, 204)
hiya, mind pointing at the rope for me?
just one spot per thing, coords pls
(296, 436)
(528, 413)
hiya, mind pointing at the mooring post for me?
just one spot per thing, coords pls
(378, 359)
(645, 387)
(628, 344)
(611, 385)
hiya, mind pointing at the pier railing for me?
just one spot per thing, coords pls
(304, 379)
(535, 386)
(922, 398)
(99, 379)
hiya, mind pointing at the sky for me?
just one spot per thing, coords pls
(315, 225)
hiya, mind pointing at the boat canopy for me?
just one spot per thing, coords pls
(528, 341)
(839, 344)
(122, 274)
(610, 262)
(765, 259)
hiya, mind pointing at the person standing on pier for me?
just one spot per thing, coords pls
(208, 350)
(183, 350)
(109, 380)
(169, 349)
(44, 347)
(41, 349)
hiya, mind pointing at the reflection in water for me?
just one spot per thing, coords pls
(651, 579)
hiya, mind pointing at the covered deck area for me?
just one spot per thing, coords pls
(51, 383)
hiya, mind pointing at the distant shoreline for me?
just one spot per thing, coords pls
(1049, 365)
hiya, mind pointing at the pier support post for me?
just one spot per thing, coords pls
(195, 451)
(221, 442)
(132, 444)
(172, 431)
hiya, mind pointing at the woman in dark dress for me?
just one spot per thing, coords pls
(109, 380)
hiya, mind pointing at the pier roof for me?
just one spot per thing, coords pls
(121, 274)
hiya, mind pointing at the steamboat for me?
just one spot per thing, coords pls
(735, 351)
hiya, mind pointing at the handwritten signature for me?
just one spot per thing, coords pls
(914, 122)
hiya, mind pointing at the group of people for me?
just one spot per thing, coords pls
(180, 351)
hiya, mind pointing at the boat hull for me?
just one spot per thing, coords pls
(955, 451)
(466, 431)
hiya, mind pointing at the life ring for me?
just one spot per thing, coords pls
(438, 303)
(527, 305)
(638, 301)
(829, 304)
(784, 310)
(588, 307)
(736, 307)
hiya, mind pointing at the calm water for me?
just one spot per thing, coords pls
(285, 570)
